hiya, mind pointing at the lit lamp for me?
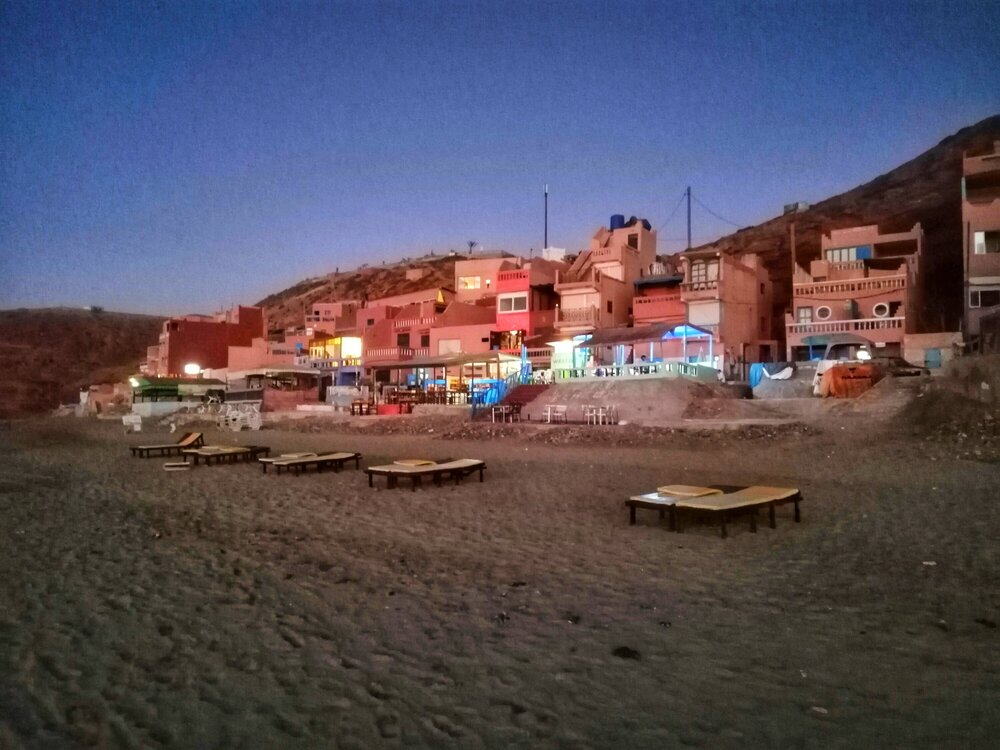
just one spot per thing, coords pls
(192, 369)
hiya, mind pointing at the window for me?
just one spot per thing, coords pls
(823, 313)
(986, 242)
(633, 240)
(984, 298)
(425, 340)
(469, 282)
(880, 310)
(403, 340)
(702, 271)
(610, 307)
(512, 303)
(842, 254)
(761, 288)
(804, 315)
(371, 321)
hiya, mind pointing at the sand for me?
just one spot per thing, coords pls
(222, 608)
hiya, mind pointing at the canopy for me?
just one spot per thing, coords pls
(823, 339)
(445, 360)
(655, 332)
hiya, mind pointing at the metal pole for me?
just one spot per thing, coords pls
(546, 216)
(689, 216)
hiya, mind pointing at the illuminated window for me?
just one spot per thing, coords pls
(469, 282)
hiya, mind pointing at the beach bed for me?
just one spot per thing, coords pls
(299, 463)
(187, 440)
(717, 501)
(416, 470)
(226, 453)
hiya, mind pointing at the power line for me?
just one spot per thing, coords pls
(679, 201)
(720, 218)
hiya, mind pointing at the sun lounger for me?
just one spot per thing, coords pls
(321, 461)
(188, 440)
(226, 453)
(437, 471)
(724, 502)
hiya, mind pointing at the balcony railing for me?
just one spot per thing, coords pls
(846, 326)
(427, 320)
(694, 371)
(883, 283)
(576, 316)
(709, 285)
(589, 278)
(394, 353)
(518, 275)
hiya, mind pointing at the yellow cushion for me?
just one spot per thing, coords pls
(686, 490)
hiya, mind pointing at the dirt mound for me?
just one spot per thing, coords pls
(954, 424)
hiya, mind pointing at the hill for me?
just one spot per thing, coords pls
(286, 308)
(46, 355)
(925, 189)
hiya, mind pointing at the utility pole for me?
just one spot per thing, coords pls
(689, 216)
(791, 241)
(546, 244)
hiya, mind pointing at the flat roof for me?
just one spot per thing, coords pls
(446, 360)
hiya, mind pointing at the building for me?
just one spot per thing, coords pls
(526, 306)
(658, 297)
(332, 316)
(730, 297)
(475, 278)
(980, 238)
(597, 290)
(864, 284)
(203, 341)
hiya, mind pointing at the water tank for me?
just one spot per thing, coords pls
(617, 221)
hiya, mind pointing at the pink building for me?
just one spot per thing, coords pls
(476, 278)
(403, 333)
(526, 302)
(981, 238)
(204, 340)
(658, 297)
(464, 329)
(863, 284)
(732, 298)
(596, 291)
(332, 316)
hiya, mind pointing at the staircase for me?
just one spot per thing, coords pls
(524, 394)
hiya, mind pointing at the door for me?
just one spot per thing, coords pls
(932, 358)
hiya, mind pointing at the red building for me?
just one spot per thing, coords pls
(203, 340)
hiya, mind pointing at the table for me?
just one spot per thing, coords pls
(555, 413)
(503, 411)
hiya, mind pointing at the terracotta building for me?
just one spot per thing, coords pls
(864, 284)
(204, 340)
(732, 298)
(981, 238)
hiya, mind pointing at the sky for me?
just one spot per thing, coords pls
(181, 157)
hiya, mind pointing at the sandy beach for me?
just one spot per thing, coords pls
(222, 608)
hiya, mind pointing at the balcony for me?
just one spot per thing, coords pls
(425, 322)
(880, 283)
(588, 281)
(657, 307)
(860, 325)
(577, 317)
(707, 289)
(394, 354)
(521, 274)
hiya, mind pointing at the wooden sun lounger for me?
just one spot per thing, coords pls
(745, 501)
(226, 453)
(321, 461)
(188, 440)
(456, 470)
(723, 501)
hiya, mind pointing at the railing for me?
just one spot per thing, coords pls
(576, 316)
(700, 286)
(518, 275)
(846, 326)
(252, 394)
(410, 322)
(391, 353)
(590, 277)
(497, 392)
(885, 283)
(638, 371)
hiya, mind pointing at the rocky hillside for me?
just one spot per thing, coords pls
(287, 308)
(47, 355)
(926, 189)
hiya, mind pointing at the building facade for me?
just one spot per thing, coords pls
(204, 340)
(865, 284)
(980, 238)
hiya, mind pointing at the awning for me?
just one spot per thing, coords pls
(823, 339)
(445, 360)
(655, 332)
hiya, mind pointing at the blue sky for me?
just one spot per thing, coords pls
(178, 157)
